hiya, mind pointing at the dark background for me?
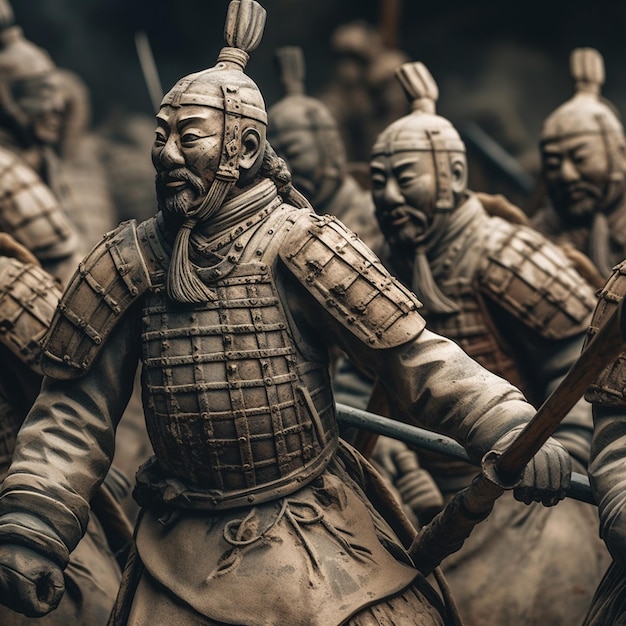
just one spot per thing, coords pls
(507, 57)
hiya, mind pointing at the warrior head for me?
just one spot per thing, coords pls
(303, 131)
(419, 175)
(582, 146)
(418, 166)
(31, 101)
(210, 144)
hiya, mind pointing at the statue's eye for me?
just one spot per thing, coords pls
(189, 138)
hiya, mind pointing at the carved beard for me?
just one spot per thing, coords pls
(412, 230)
(576, 203)
(183, 201)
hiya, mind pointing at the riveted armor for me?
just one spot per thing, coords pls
(609, 389)
(30, 213)
(343, 275)
(106, 283)
(28, 299)
(527, 277)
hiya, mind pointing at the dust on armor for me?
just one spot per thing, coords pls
(28, 299)
(512, 300)
(583, 154)
(230, 297)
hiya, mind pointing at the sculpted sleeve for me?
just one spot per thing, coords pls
(64, 450)
(541, 307)
(65, 446)
(343, 292)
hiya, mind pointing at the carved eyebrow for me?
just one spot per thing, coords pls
(377, 165)
(412, 160)
(578, 147)
(162, 122)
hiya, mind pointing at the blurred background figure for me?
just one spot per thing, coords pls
(583, 155)
(514, 302)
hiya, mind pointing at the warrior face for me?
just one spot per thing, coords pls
(576, 172)
(404, 188)
(186, 154)
(42, 101)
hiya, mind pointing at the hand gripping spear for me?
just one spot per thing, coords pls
(447, 532)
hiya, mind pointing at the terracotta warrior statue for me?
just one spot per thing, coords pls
(583, 154)
(304, 133)
(28, 299)
(31, 107)
(607, 470)
(512, 300)
(254, 512)
(362, 94)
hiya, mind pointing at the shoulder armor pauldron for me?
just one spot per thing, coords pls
(349, 281)
(533, 280)
(28, 299)
(108, 281)
(609, 389)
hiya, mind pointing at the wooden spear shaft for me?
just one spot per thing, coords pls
(500, 471)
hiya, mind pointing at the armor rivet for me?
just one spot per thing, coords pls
(247, 466)
(268, 381)
(239, 246)
(371, 340)
(242, 440)
(250, 498)
(204, 415)
(259, 252)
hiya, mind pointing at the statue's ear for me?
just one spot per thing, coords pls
(252, 145)
(458, 169)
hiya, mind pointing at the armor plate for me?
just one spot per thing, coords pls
(233, 407)
(349, 281)
(28, 299)
(609, 389)
(108, 281)
(532, 279)
(31, 213)
(236, 412)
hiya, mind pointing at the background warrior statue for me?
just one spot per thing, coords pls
(254, 511)
(583, 154)
(512, 300)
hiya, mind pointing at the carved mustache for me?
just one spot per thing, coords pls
(183, 175)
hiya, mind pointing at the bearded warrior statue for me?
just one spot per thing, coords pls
(254, 512)
(583, 154)
(513, 301)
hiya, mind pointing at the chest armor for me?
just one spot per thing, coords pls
(233, 406)
(472, 329)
